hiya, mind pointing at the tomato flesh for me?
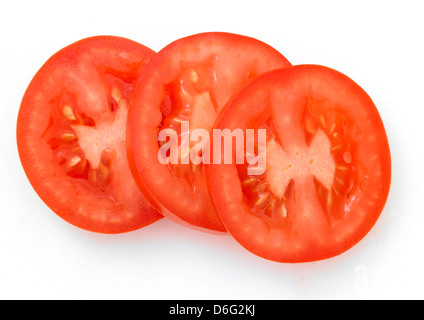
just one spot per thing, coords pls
(190, 80)
(327, 172)
(71, 135)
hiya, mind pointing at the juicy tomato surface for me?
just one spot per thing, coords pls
(71, 135)
(328, 166)
(189, 80)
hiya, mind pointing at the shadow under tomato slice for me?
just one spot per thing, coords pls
(189, 81)
(328, 167)
(71, 135)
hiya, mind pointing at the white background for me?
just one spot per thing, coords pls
(379, 44)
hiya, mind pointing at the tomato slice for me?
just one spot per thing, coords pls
(328, 166)
(71, 135)
(189, 80)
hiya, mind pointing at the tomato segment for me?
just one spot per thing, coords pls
(188, 81)
(327, 166)
(71, 135)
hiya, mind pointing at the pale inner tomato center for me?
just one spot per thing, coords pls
(85, 148)
(315, 160)
(106, 135)
(202, 116)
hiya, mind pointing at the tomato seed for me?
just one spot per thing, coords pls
(283, 211)
(330, 199)
(336, 148)
(347, 157)
(103, 170)
(310, 127)
(342, 168)
(74, 161)
(263, 200)
(336, 192)
(260, 187)
(323, 121)
(68, 137)
(116, 94)
(68, 113)
(194, 77)
(250, 182)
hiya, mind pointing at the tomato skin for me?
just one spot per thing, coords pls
(86, 69)
(295, 239)
(215, 56)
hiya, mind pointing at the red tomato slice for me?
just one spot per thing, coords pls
(328, 166)
(189, 80)
(71, 135)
